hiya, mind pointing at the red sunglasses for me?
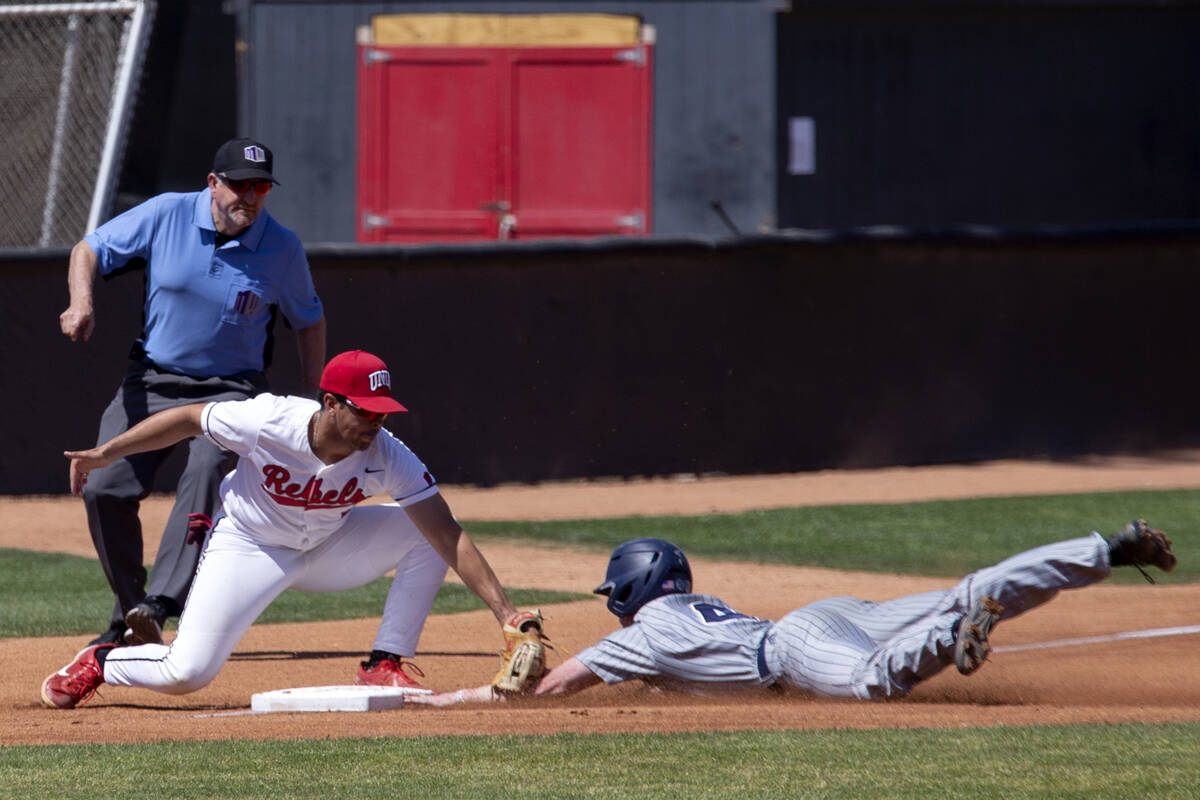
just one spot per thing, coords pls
(259, 185)
(362, 413)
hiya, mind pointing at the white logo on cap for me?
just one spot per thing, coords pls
(254, 153)
(380, 378)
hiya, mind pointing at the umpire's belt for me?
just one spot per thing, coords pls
(137, 354)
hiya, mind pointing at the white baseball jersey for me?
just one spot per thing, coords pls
(840, 646)
(290, 522)
(281, 493)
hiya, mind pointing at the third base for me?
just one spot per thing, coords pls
(332, 698)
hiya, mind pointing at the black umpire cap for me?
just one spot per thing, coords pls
(239, 159)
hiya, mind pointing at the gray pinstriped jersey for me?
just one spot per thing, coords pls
(683, 639)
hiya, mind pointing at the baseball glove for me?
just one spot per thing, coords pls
(523, 659)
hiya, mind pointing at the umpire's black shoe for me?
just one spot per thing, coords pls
(114, 635)
(145, 621)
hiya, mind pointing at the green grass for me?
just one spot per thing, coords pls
(1109, 761)
(50, 594)
(944, 538)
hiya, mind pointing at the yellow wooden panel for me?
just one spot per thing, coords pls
(505, 30)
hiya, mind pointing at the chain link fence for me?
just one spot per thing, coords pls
(66, 73)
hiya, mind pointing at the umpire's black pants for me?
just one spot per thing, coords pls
(112, 495)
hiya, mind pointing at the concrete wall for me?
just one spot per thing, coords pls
(619, 358)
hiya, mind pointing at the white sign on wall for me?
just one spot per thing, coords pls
(802, 152)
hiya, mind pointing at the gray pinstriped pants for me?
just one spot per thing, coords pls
(847, 647)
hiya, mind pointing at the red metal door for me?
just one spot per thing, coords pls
(580, 141)
(429, 155)
(474, 143)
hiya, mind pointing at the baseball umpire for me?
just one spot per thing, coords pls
(837, 647)
(217, 270)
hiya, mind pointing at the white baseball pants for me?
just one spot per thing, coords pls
(238, 578)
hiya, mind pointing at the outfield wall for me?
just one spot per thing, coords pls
(552, 361)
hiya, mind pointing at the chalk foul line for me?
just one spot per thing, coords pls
(1111, 637)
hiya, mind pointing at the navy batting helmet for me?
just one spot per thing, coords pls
(640, 570)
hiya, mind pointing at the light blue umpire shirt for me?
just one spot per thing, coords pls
(207, 307)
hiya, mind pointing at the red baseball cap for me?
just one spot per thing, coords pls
(361, 378)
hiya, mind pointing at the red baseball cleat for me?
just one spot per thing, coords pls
(74, 684)
(389, 672)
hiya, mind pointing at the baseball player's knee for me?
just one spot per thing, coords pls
(188, 678)
(101, 494)
(123, 481)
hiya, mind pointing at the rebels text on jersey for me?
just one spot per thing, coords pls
(281, 493)
(277, 482)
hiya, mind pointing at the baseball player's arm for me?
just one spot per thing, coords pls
(153, 433)
(433, 518)
(568, 677)
(78, 322)
(310, 342)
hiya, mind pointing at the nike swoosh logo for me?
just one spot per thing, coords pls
(369, 471)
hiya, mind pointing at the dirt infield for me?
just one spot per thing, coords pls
(1150, 679)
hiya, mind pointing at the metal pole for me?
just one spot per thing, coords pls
(114, 141)
(60, 130)
(64, 9)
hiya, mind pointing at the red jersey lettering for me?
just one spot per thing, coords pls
(276, 483)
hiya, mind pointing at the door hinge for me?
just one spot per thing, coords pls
(634, 220)
(372, 221)
(635, 55)
(373, 56)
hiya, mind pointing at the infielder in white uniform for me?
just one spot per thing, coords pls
(290, 521)
(837, 647)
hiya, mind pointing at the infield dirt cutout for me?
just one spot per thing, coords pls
(1150, 680)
